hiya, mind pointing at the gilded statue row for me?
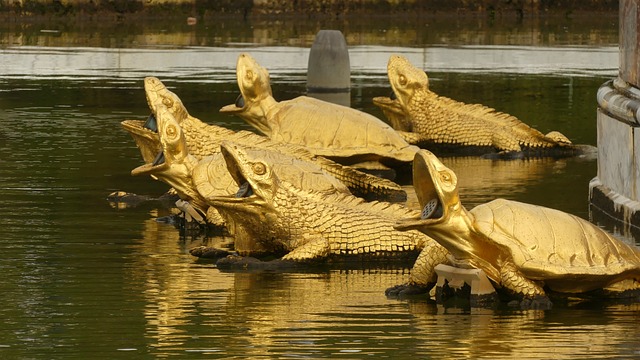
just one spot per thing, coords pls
(297, 191)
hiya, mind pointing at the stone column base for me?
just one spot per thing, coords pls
(619, 214)
(614, 193)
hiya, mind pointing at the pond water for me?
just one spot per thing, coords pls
(81, 279)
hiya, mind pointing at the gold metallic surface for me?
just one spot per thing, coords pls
(174, 165)
(204, 140)
(395, 113)
(194, 180)
(309, 224)
(436, 120)
(521, 247)
(342, 133)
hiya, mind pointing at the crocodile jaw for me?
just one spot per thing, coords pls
(432, 180)
(148, 141)
(394, 112)
(156, 166)
(252, 192)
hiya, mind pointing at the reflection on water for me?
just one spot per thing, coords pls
(81, 278)
(596, 30)
(192, 308)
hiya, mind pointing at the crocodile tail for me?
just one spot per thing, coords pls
(386, 209)
(410, 137)
(363, 185)
(559, 138)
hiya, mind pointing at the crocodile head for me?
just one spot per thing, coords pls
(405, 79)
(437, 189)
(145, 133)
(252, 205)
(159, 96)
(260, 171)
(394, 112)
(147, 140)
(172, 164)
(255, 92)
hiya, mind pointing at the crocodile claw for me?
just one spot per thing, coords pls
(404, 290)
(235, 263)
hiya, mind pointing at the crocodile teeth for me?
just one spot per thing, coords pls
(159, 159)
(151, 123)
(244, 190)
(429, 209)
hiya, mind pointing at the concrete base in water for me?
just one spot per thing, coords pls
(471, 284)
(615, 191)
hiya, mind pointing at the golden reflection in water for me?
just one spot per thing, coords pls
(193, 307)
(482, 180)
(171, 284)
(567, 333)
(301, 32)
(313, 308)
(254, 313)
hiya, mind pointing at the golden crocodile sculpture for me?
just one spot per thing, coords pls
(445, 125)
(524, 249)
(338, 132)
(194, 180)
(204, 140)
(311, 225)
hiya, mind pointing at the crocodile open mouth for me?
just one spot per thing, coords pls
(426, 191)
(236, 107)
(432, 209)
(245, 190)
(240, 101)
(151, 123)
(244, 186)
(158, 164)
(159, 160)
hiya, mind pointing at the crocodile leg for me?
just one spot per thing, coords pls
(505, 142)
(423, 272)
(423, 276)
(316, 248)
(628, 288)
(532, 294)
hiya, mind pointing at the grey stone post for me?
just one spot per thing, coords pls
(329, 70)
(615, 190)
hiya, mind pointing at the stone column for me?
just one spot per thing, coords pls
(615, 190)
(329, 69)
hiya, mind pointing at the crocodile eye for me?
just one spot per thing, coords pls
(402, 80)
(249, 74)
(167, 102)
(259, 168)
(171, 132)
(445, 176)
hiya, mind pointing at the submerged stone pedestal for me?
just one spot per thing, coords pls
(464, 283)
(615, 191)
